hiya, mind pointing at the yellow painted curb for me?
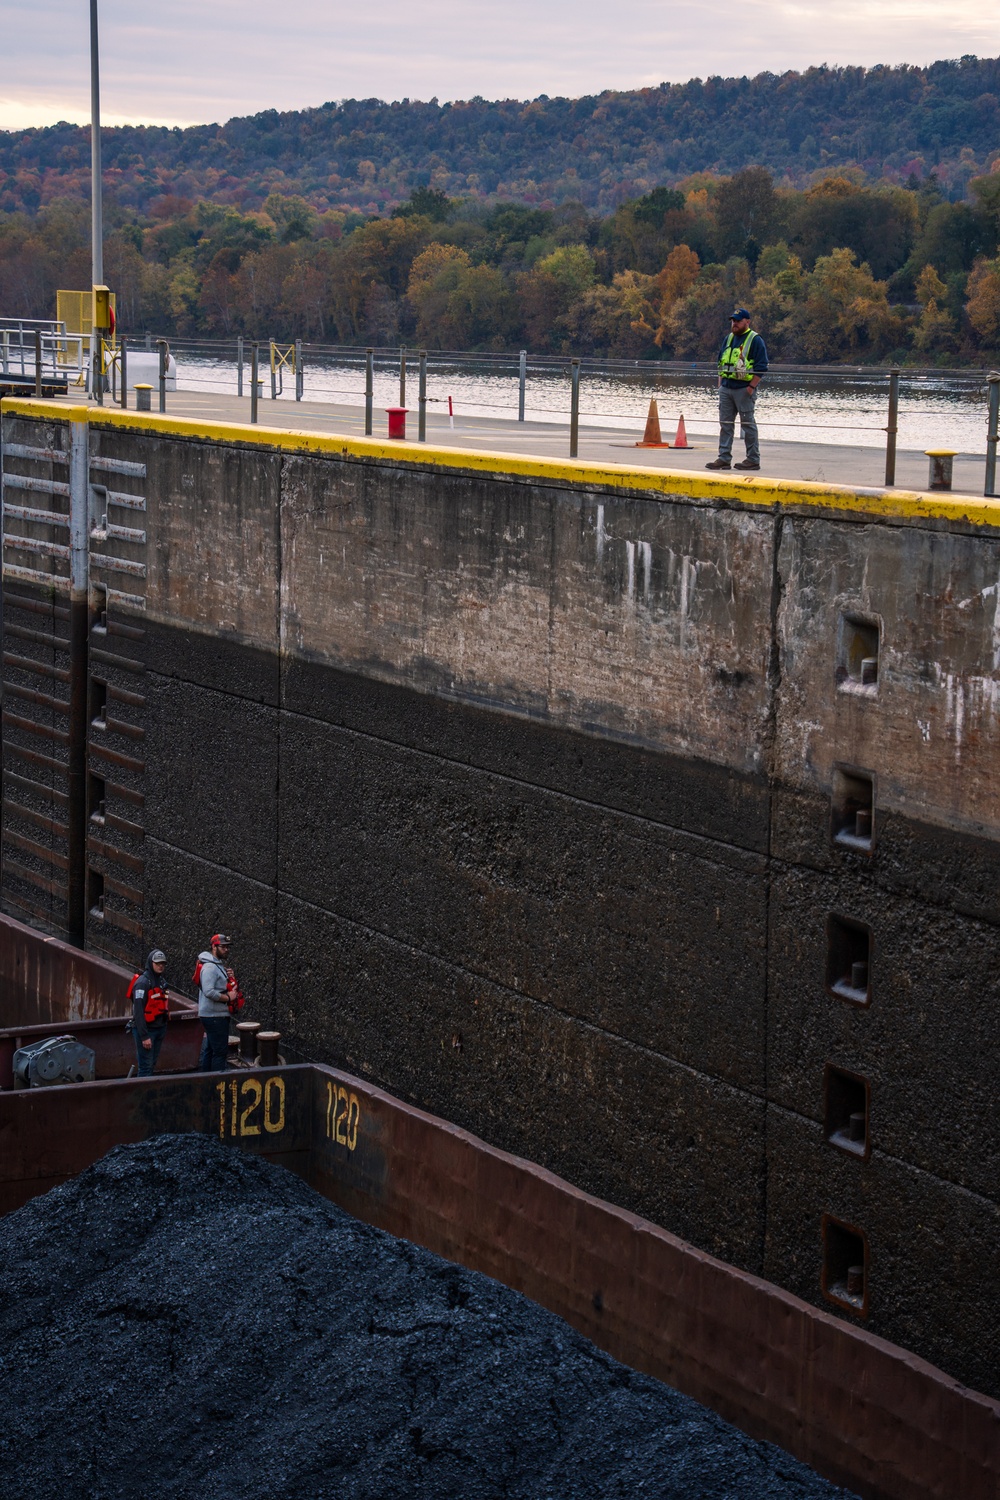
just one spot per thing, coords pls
(753, 491)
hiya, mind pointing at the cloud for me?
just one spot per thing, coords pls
(206, 60)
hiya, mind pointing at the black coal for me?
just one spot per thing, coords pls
(186, 1320)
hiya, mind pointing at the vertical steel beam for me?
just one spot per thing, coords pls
(124, 375)
(574, 408)
(299, 372)
(993, 420)
(239, 366)
(164, 349)
(521, 381)
(422, 399)
(38, 361)
(892, 427)
(254, 363)
(96, 180)
(402, 375)
(79, 630)
(369, 389)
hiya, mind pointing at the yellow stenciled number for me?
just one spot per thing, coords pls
(250, 1094)
(274, 1095)
(252, 1088)
(343, 1115)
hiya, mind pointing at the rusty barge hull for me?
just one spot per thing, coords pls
(861, 1411)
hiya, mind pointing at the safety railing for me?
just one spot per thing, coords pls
(42, 354)
(494, 385)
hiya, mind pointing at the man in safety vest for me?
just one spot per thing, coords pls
(742, 362)
(150, 1012)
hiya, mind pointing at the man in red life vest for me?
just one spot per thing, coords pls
(150, 1012)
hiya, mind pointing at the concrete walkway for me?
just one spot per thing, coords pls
(824, 462)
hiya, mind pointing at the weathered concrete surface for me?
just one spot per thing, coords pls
(516, 788)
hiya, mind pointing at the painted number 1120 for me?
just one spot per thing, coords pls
(245, 1106)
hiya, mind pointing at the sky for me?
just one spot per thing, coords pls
(182, 62)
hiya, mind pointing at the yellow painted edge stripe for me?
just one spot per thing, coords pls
(919, 505)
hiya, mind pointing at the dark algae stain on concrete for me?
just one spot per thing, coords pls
(182, 1319)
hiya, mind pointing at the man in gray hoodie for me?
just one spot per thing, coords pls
(215, 985)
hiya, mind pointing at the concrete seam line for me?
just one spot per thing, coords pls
(854, 502)
(446, 963)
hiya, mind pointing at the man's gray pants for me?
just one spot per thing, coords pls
(732, 401)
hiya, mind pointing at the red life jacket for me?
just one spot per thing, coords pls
(156, 1010)
(157, 1007)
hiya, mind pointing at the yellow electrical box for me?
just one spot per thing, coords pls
(76, 310)
(102, 316)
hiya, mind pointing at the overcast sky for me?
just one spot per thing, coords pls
(198, 61)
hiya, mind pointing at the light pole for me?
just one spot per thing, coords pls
(96, 215)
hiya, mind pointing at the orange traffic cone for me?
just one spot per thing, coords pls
(652, 438)
(681, 440)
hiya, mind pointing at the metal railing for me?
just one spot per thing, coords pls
(41, 353)
(72, 358)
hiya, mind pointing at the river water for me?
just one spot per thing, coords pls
(847, 409)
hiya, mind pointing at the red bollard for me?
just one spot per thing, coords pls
(397, 421)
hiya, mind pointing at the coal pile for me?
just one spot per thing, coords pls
(186, 1320)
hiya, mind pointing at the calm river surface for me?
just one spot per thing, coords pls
(936, 411)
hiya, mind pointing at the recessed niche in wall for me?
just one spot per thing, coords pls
(846, 1099)
(95, 894)
(858, 652)
(98, 703)
(95, 798)
(852, 816)
(848, 960)
(845, 1266)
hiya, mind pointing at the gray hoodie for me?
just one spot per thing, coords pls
(212, 987)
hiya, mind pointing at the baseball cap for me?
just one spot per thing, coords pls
(738, 314)
(157, 956)
(220, 940)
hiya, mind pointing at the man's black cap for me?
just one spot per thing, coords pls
(738, 314)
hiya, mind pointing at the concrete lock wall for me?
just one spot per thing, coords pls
(529, 792)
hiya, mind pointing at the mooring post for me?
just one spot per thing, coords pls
(254, 363)
(574, 410)
(164, 349)
(892, 427)
(422, 399)
(522, 378)
(993, 420)
(79, 630)
(124, 364)
(402, 375)
(299, 376)
(369, 389)
(239, 366)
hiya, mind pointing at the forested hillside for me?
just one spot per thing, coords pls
(841, 271)
(601, 150)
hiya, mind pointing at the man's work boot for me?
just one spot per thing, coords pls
(747, 463)
(719, 463)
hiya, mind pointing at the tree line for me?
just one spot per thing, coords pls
(602, 150)
(843, 270)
